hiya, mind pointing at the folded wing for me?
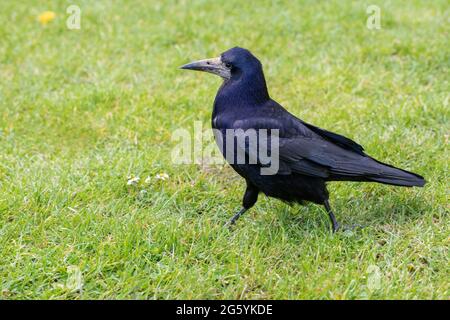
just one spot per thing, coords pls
(315, 152)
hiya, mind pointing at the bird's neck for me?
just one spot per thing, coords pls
(246, 91)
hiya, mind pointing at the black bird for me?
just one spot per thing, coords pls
(309, 156)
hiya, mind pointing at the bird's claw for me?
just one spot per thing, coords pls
(229, 224)
(344, 228)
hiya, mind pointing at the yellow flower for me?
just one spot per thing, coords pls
(46, 17)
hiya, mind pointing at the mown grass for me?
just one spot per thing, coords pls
(82, 110)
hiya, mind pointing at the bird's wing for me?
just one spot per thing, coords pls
(332, 158)
(318, 155)
(288, 160)
(312, 151)
(341, 141)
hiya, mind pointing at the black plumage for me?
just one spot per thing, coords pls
(309, 156)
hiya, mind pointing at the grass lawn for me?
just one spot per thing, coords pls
(81, 111)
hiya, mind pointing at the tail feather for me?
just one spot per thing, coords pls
(369, 169)
(395, 176)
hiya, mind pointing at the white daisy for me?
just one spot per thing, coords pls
(162, 176)
(132, 181)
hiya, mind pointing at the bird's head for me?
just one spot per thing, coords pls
(229, 65)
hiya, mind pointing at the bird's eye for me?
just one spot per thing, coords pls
(228, 65)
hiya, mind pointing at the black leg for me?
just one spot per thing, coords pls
(334, 222)
(250, 197)
(336, 225)
(236, 216)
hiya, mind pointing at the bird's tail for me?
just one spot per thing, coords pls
(368, 169)
(388, 174)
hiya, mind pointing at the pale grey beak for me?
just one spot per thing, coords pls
(214, 65)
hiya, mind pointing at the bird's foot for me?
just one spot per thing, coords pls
(232, 221)
(345, 228)
(229, 224)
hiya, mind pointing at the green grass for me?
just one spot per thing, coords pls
(81, 110)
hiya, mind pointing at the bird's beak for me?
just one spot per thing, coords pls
(214, 65)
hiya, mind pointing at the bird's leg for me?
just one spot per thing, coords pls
(334, 222)
(236, 216)
(336, 225)
(250, 197)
